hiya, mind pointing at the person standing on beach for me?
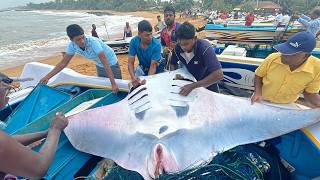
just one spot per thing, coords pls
(160, 25)
(91, 48)
(168, 34)
(249, 19)
(312, 23)
(148, 50)
(127, 32)
(94, 32)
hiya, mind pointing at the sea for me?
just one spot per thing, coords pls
(27, 36)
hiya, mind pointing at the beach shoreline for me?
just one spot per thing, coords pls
(86, 67)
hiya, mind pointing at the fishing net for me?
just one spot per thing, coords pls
(237, 163)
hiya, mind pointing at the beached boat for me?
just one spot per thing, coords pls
(239, 71)
(299, 151)
(254, 50)
(120, 46)
(248, 34)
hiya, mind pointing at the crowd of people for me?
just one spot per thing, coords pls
(281, 77)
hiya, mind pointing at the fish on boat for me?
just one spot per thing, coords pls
(154, 130)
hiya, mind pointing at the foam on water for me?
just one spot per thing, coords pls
(27, 36)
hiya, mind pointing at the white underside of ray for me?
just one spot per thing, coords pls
(212, 123)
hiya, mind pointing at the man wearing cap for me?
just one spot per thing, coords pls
(283, 76)
(91, 48)
(198, 56)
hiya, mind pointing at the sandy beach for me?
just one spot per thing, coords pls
(87, 67)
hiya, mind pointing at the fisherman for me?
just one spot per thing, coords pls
(283, 76)
(198, 57)
(127, 31)
(148, 50)
(3, 94)
(312, 23)
(92, 48)
(160, 25)
(278, 20)
(20, 160)
(249, 19)
(94, 32)
(168, 34)
(5, 86)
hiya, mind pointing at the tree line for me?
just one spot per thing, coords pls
(180, 5)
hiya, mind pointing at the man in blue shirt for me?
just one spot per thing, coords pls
(198, 56)
(312, 23)
(147, 49)
(93, 49)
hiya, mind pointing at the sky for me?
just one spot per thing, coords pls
(12, 3)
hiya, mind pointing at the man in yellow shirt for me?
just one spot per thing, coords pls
(283, 76)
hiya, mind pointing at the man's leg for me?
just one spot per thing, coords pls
(214, 88)
(116, 71)
(101, 72)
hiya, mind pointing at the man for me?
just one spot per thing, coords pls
(224, 16)
(20, 160)
(168, 34)
(249, 19)
(147, 49)
(127, 31)
(160, 25)
(198, 57)
(94, 32)
(312, 23)
(3, 94)
(286, 19)
(91, 48)
(283, 76)
(278, 20)
(5, 86)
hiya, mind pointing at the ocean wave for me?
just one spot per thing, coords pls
(32, 45)
(16, 54)
(28, 47)
(64, 13)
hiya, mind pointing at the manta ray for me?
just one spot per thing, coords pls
(155, 130)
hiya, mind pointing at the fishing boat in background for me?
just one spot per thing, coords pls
(248, 34)
(120, 46)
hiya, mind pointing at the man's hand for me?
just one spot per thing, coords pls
(115, 88)
(256, 97)
(135, 81)
(185, 90)
(44, 80)
(60, 122)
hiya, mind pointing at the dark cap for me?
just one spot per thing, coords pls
(299, 42)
